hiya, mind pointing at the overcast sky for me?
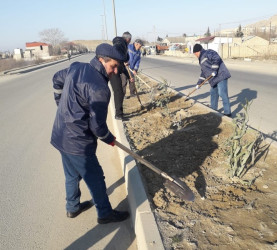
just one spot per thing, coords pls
(21, 21)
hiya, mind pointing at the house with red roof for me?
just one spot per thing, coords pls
(35, 50)
(214, 42)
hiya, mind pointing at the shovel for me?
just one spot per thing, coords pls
(142, 107)
(200, 85)
(141, 80)
(178, 187)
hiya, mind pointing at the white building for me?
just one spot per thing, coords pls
(37, 50)
(17, 54)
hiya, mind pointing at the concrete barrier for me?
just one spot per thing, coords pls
(145, 226)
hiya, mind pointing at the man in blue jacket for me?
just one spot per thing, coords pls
(82, 95)
(212, 64)
(133, 64)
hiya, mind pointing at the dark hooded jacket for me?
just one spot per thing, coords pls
(82, 95)
(121, 44)
(210, 62)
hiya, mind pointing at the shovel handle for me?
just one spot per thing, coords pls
(128, 71)
(200, 85)
(141, 80)
(134, 86)
(176, 186)
(207, 79)
(139, 158)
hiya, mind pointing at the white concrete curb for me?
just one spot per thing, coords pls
(145, 226)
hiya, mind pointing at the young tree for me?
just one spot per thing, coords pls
(52, 36)
(239, 33)
(208, 33)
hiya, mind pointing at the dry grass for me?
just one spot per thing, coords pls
(9, 63)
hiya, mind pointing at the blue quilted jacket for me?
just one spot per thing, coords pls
(82, 95)
(135, 56)
(210, 62)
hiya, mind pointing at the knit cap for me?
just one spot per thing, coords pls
(197, 47)
(115, 52)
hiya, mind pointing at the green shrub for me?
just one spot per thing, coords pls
(241, 152)
(163, 99)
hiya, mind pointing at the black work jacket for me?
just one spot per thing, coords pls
(210, 62)
(82, 95)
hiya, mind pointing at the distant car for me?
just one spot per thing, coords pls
(175, 47)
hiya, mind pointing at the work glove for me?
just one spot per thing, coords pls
(197, 86)
(112, 143)
(214, 74)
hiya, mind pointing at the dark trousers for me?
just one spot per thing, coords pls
(118, 94)
(125, 81)
(78, 167)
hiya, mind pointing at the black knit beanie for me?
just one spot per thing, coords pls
(121, 45)
(197, 47)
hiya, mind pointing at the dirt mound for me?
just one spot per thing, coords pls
(188, 141)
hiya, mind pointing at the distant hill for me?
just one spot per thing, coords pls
(90, 44)
(264, 23)
(260, 26)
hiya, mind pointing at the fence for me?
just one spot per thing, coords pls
(249, 51)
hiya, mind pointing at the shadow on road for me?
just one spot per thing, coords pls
(96, 234)
(239, 99)
(185, 87)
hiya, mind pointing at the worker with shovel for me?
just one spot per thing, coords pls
(118, 80)
(212, 65)
(133, 63)
(82, 95)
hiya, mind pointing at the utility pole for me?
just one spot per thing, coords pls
(102, 28)
(219, 46)
(105, 20)
(115, 29)
(269, 32)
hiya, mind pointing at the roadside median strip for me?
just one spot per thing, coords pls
(146, 229)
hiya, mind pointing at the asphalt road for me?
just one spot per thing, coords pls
(32, 189)
(255, 81)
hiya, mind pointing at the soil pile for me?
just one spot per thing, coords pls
(188, 141)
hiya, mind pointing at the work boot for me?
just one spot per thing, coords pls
(82, 207)
(114, 216)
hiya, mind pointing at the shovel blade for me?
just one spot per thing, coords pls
(181, 189)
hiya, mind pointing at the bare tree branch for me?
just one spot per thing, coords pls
(52, 36)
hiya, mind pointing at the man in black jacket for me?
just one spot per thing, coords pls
(116, 81)
(82, 95)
